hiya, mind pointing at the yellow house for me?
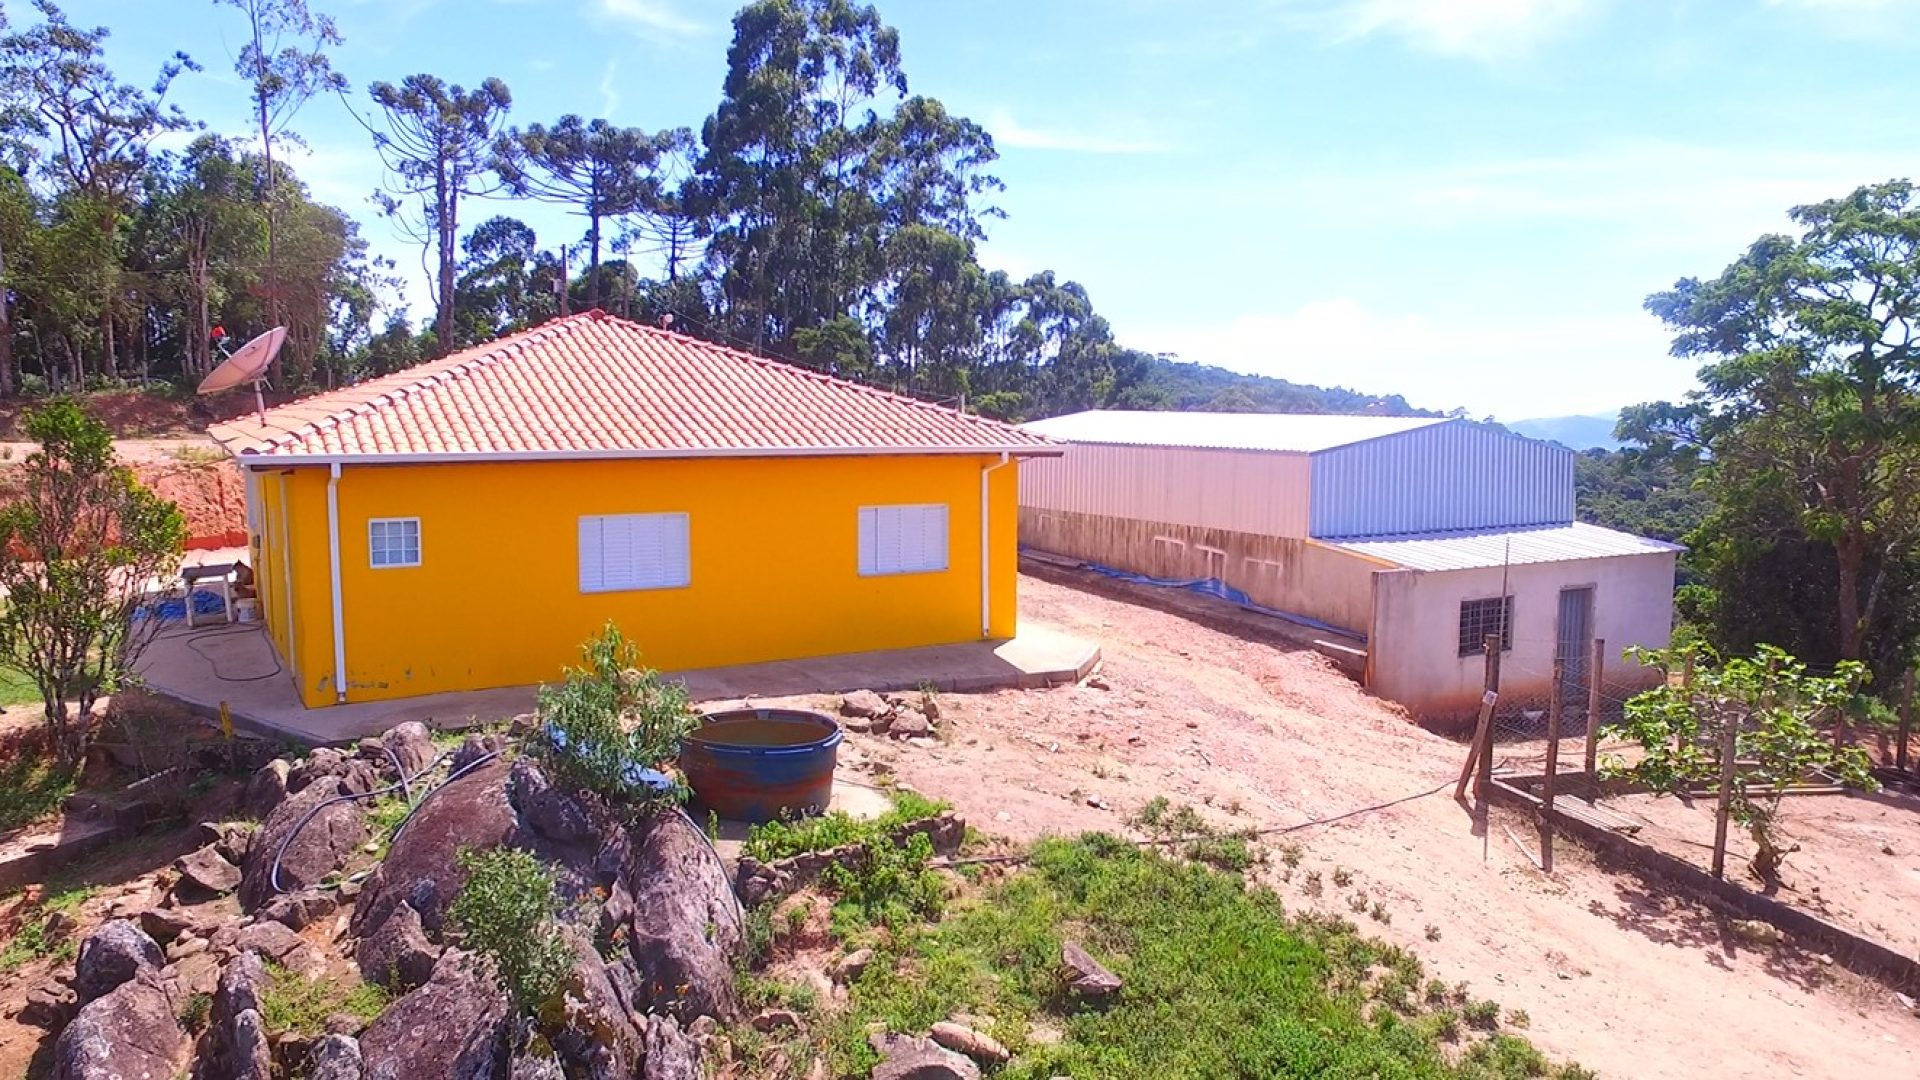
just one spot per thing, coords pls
(467, 523)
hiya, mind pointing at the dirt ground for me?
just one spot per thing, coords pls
(1610, 971)
(1858, 863)
(190, 470)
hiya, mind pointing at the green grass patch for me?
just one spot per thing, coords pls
(780, 839)
(33, 943)
(17, 688)
(32, 786)
(294, 1003)
(384, 815)
(1220, 981)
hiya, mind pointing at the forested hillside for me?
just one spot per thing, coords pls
(821, 214)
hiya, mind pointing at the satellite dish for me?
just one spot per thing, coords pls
(248, 364)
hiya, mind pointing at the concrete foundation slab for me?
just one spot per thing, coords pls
(237, 665)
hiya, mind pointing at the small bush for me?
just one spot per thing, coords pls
(1433, 932)
(794, 836)
(505, 912)
(891, 886)
(1311, 884)
(1342, 877)
(609, 718)
(1483, 1015)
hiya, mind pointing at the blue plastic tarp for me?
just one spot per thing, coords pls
(1216, 588)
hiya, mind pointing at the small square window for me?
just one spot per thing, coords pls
(1478, 618)
(393, 542)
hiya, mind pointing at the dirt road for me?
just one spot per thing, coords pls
(1609, 972)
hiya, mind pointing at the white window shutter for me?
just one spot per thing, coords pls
(903, 539)
(620, 552)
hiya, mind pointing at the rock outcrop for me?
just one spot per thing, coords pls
(423, 868)
(685, 928)
(449, 1029)
(129, 1033)
(310, 834)
(112, 955)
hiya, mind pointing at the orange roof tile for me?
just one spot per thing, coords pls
(594, 385)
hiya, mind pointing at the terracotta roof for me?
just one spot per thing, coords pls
(595, 385)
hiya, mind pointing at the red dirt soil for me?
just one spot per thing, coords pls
(1614, 972)
(191, 471)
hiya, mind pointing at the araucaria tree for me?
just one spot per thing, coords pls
(77, 549)
(1776, 709)
(1809, 407)
(438, 149)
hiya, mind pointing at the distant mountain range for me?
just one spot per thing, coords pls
(1575, 432)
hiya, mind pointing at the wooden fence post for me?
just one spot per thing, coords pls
(1484, 784)
(1596, 671)
(1906, 721)
(1729, 748)
(1556, 704)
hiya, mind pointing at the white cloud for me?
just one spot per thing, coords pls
(649, 18)
(1513, 367)
(609, 88)
(1010, 132)
(1476, 29)
(1854, 19)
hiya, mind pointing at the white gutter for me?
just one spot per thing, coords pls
(986, 545)
(269, 459)
(333, 561)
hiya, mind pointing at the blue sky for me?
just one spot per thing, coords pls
(1464, 201)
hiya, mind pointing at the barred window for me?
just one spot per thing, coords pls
(1478, 618)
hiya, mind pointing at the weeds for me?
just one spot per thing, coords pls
(1380, 914)
(1257, 993)
(35, 939)
(1311, 885)
(1342, 877)
(1432, 932)
(1482, 1015)
(32, 786)
(781, 839)
(293, 1004)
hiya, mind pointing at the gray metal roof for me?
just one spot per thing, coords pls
(1290, 433)
(1483, 548)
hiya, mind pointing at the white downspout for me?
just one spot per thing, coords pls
(333, 560)
(986, 545)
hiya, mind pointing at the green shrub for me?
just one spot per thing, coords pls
(506, 912)
(795, 836)
(890, 886)
(609, 716)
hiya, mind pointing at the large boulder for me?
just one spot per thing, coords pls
(398, 954)
(600, 1037)
(671, 1053)
(422, 868)
(268, 787)
(232, 1044)
(113, 954)
(311, 835)
(273, 941)
(251, 1056)
(685, 922)
(411, 744)
(129, 1034)
(449, 1029)
(907, 1058)
(334, 1057)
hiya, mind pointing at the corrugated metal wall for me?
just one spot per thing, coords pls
(1240, 490)
(1450, 476)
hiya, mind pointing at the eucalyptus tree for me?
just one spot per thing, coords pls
(284, 61)
(438, 149)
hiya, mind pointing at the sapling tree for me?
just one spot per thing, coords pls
(610, 718)
(508, 912)
(78, 546)
(1776, 708)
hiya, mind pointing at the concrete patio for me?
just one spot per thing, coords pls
(237, 665)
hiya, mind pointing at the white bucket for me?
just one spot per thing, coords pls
(246, 609)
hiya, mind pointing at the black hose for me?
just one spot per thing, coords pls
(273, 876)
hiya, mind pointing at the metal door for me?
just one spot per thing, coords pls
(1574, 647)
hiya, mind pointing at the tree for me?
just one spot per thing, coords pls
(602, 170)
(1810, 395)
(1775, 708)
(102, 130)
(77, 548)
(285, 64)
(437, 149)
(495, 294)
